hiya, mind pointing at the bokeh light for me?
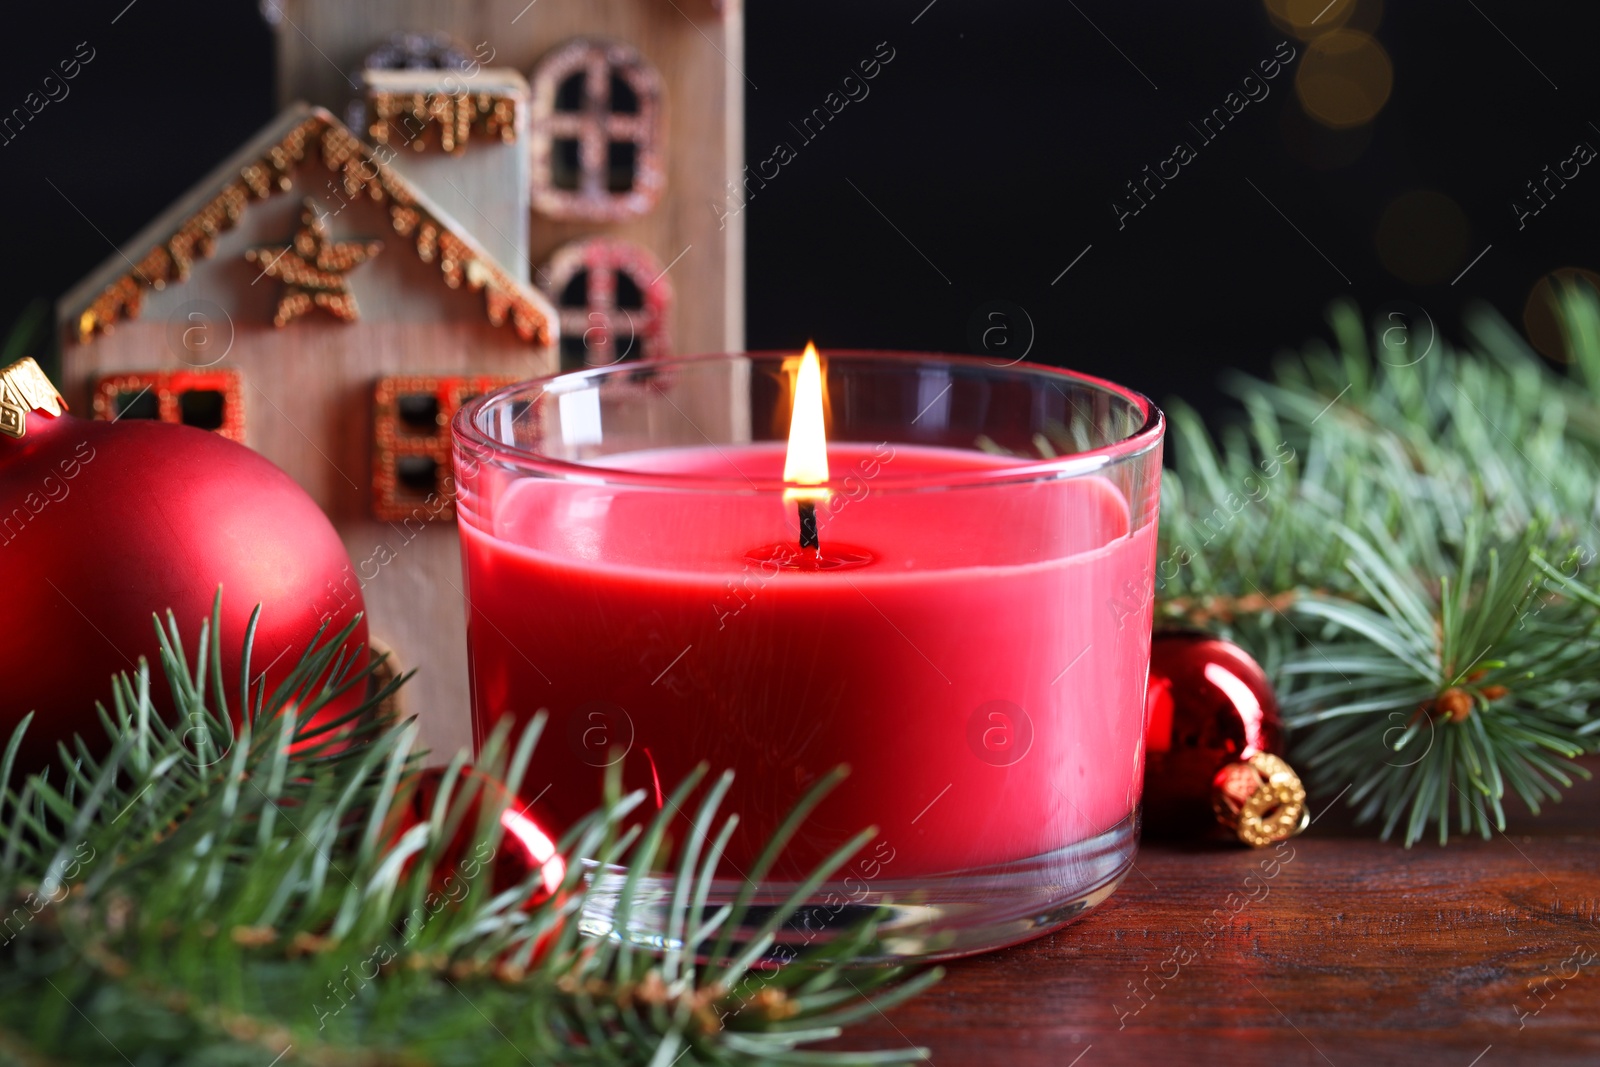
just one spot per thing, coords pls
(1344, 78)
(1539, 319)
(1422, 237)
(1306, 19)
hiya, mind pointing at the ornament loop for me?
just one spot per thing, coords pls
(24, 388)
(1261, 799)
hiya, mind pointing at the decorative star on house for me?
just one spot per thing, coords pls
(312, 268)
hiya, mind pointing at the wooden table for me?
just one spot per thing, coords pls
(1342, 950)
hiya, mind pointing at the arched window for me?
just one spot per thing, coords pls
(596, 137)
(403, 51)
(419, 51)
(613, 300)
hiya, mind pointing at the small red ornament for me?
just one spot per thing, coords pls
(523, 846)
(103, 524)
(1213, 740)
(1260, 799)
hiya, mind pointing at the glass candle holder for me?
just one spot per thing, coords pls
(970, 634)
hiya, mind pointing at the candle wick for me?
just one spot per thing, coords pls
(808, 525)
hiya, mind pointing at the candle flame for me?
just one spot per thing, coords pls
(806, 463)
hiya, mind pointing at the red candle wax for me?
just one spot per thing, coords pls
(978, 660)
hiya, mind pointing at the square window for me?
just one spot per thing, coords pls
(138, 404)
(411, 442)
(205, 399)
(419, 413)
(419, 474)
(204, 409)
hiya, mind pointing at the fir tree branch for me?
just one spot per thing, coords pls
(231, 892)
(1405, 539)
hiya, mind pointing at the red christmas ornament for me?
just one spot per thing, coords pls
(524, 845)
(103, 524)
(1213, 742)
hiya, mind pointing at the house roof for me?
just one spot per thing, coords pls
(163, 252)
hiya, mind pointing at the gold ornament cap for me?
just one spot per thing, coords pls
(1260, 799)
(24, 388)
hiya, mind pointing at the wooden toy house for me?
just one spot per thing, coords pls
(515, 190)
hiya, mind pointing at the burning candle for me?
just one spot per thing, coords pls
(933, 570)
(805, 464)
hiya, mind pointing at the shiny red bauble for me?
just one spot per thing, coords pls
(103, 524)
(524, 843)
(1209, 705)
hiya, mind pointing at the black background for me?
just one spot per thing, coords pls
(984, 160)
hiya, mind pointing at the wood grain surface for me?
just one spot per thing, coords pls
(1345, 951)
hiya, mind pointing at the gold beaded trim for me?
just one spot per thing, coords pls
(1261, 799)
(24, 388)
(416, 117)
(360, 172)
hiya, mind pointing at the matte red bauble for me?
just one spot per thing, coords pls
(1210, 713)
(103, 524)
